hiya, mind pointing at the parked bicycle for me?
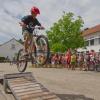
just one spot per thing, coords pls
(94, 65)
(38, 51)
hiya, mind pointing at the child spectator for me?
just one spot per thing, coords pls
(73, 61)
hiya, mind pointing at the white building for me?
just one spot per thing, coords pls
(92, 38)
(10, 48)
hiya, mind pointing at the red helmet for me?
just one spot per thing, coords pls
(35, 10)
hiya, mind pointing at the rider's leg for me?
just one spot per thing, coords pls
(26, 41)
(30, 43)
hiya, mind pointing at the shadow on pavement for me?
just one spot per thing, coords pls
(73, 97)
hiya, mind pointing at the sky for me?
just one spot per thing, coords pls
(11, 11)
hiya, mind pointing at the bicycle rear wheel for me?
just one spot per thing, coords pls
(42, 50)
(21, 61)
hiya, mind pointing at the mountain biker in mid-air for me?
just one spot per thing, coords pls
(27, 22)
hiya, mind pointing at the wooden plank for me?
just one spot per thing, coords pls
(26, 86)
(18, 79)
(42, 96)
(35, 95)
(46, 97)
(27, 89)
(24, 77)
(21, 85)
(13, 82)
(21, 79)
(38, 98)
(31, 92)
(17, 83)
(16, 75)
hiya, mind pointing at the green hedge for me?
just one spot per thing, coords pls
(2, 59)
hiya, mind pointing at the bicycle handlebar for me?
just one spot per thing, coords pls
(37, 27)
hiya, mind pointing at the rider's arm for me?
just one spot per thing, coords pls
(22, 24)
(38, 23)
(24, 21)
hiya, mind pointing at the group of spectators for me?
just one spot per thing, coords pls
(73, 59)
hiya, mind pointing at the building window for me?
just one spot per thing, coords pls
(87, 43)
(92, 42)
(13, 46)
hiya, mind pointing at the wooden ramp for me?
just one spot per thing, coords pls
(2, 75)
(25, 87)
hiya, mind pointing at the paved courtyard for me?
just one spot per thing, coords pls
(66, 84)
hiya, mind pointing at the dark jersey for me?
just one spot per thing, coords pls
(30, 22)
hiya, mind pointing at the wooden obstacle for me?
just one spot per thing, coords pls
(25, 87)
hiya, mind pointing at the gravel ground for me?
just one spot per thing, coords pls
(66, 84)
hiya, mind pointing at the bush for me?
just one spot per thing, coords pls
(2, 59)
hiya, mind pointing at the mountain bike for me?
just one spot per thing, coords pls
(38, 51)
(91, 66)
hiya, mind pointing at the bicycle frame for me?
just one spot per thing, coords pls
(33, 40)
(32, 43)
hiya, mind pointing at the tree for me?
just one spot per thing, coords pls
(20, 41)
(66, 33)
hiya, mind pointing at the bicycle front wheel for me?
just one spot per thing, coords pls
(42, 50)
(21, 61)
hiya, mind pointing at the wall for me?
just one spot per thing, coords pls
(10, 48)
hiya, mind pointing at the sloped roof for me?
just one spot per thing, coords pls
(91, 30)
(9, 41)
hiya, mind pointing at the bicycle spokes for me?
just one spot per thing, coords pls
(42, 50)
(21, 61)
